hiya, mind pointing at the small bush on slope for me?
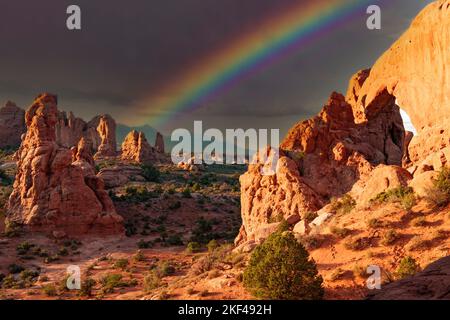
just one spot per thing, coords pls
(408, 267)
(403, 195)
(439, 195)
(280, 268)
(343, 205)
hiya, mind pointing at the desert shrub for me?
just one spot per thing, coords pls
(359, 271)
(213, 274)
(439, 194)
(212, 245)
(15, 268)
(139, 256)
(121, 264)
(202, 231)
(25, 279)
(343, 205)
(111, 281)
(218, 257)
(357, 244)
(130, 228)
(340, 232)
(50, 290)
(312, 241)
(142, 244)
(417, 243)
(175, 205)
(174, 240)
(309, 216)
(375, 223)
(280, 268)
(390, 237)
(190, 291)
(63, 252)
(418, 222)
(137, 195)
(23, 248)
(403, 195)
(443, 180)
(337, 274)
(408, 267)
(193, 247)
(150, 173)
(152, 281)
(186, 193)
(5, 180)
(12, 229)
(86, 287)
(164, 269)
(9, 282)
(275, 218)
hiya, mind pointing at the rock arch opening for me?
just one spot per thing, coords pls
(407, 123)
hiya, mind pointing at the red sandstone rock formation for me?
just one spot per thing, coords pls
(159, 143)
(340, 149)
(69, 129)
(100, 131)
(107, 132)
(414, 70)
(12, 125)
(56, 189)
(136, 148)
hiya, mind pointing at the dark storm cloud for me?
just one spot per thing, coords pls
(128, 49)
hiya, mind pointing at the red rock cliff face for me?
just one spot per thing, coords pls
(356, 143)
(12, 125)
(56, 188)
(415, 70)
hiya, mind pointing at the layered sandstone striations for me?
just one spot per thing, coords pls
(357, 144)
(12, 125)
(56, 189)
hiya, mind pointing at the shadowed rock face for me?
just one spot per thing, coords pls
(100, 131)
(430, 284)
(337, 151)
(12, 125)
(56, 188)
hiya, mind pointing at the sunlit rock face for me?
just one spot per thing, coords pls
(358, 144)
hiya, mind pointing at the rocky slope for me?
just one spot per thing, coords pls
(56, 189)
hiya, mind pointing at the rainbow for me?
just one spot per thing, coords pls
(265, 44)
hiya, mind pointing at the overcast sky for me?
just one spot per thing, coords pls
(128, 50)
